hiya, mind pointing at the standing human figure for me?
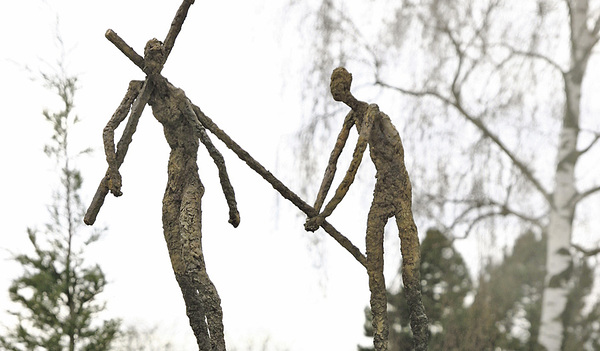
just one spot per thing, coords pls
(392, 198)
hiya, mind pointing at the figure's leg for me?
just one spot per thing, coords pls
(378, 216)
(172, 230)
(190, 221)
(411, 277)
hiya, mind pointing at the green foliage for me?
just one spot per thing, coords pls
(57, 292)
(506, 308)
(445, 284)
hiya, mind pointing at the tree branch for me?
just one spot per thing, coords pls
(502, 209)
(477, 122)
(586, 193)
(592, 143)
(585, 252)
(531, 54)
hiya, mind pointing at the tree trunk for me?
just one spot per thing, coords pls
(559, 260)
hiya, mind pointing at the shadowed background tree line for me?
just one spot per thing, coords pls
(501, 310)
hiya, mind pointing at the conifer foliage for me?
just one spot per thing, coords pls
(506, 301)
(57, 293)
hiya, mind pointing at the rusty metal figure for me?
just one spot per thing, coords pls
(392, 198)
(182, 199)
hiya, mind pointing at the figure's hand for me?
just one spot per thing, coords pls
(114, 183)
(313, 223)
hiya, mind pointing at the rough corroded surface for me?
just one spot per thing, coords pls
(182, 215)
(392, 198)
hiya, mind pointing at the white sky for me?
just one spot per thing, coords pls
(230, 58)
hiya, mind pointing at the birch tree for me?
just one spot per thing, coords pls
(496, 88)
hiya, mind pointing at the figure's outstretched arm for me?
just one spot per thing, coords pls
(108, 136)
(137, 97)
(191, 112)
(333, 158)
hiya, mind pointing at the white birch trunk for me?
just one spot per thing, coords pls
(559, 260)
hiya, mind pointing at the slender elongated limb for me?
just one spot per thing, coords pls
(314, 223)
(188, 110)
(173, 218)
(364, 127)
(234, 214)
(333, 158)
(131, 97)
(411, 278)
(278, 185)
(378, 216)
(108, 136)
(194, 311)
(190, 231)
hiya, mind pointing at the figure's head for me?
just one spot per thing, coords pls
(341, 80)
(154, 56)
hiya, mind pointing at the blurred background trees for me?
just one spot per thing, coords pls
(496, 101)
(501, 310)
(58, 293)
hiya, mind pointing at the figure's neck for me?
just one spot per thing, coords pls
(355, 104)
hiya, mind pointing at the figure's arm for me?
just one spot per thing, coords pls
(314, 223)
(191, 111)
(333, 158)
(108, 136)
(136, 96)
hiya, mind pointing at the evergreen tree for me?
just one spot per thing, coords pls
(57, 292)
(506, 311)
(506, 308)
(445, 284)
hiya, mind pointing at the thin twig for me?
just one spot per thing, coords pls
(585, 252)
(477, 122)
(586, 193)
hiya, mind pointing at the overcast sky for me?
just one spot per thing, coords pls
(232, 59)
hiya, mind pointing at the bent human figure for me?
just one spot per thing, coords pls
(392, 198)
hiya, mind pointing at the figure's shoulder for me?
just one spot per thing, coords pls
(374, 113)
